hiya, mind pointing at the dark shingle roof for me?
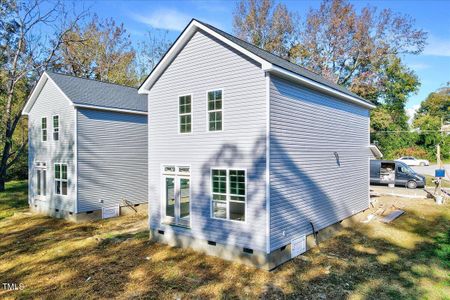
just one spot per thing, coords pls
(97, 93)
(282, 63)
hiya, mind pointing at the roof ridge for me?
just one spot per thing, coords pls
(268, 52)
(319, 78)
(90, 79)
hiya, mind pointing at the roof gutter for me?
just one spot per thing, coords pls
(311, 83)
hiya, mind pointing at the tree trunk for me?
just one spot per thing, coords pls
(8, 140)
(2, 185)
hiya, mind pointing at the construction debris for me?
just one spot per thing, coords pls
(392, 216)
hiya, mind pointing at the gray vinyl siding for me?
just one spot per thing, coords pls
(206, 64)
(306, 182)
(52, 102)
(112, 158)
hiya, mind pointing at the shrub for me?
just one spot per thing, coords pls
(411, 151)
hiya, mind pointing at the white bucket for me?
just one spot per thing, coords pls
(439, 200)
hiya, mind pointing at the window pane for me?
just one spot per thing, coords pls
(64, 187)
(44, 135)
(38, 181)
(169, 169)
(210, 95)
(219, 209)
(44, 182)
(237, 198)
(58, 187)
(64, 171)
(237, 211)
(57, 171)
(185, 123)
(219, 181)
(218, 94)
(55, 121)
(237, 182)
(170, 197)
(184, 198)
(218, 104)
(219, 197)
(44, 123)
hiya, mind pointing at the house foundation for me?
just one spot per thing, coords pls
(94, 215)
(258, 259)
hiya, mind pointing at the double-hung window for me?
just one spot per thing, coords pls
(215, 110)
(44, 129)
(61, 179)
(228, 194)
(185, 111)
(55, 128)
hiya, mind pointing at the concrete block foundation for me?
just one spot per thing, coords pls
(259, 259)
(86, 216)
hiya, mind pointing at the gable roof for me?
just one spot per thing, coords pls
(88, 93)
(269, 62)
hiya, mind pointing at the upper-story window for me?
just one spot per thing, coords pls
(44, 129)
(215, 110)
(185, 111)
(56, 128)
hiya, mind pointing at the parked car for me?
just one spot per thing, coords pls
(395, 172)
(412, 161)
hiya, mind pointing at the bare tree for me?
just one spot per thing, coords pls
(151, 50)
(27, 48)
(100, 49)
(266, 25)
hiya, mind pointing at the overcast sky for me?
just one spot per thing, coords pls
(432, 66)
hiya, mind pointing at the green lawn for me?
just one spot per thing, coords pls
(109, 259)
(429, 182)
(14, 199)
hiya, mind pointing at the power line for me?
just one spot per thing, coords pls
(410, 131)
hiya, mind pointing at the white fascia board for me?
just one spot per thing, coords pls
(128, 111)
(290, 75)
(37, 90)
(181, 42)
(34, 94)
(376, 151)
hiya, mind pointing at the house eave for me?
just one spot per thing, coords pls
(112, 109)
(187, 33)
(315, 85)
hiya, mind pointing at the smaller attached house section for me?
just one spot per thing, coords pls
(87, 148)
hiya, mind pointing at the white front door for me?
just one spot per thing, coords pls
(176, 195)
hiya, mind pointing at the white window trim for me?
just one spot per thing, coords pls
(185, 114)
(59, 128)
(215, 110)
(60, 179)
(41, 165)
(228, 195)
(176, 176)
(42, 129)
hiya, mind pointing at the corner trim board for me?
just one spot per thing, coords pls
(267, 74)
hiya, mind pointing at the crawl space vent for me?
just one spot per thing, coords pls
(110, 212)
(298, 246)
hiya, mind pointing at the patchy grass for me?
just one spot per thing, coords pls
(54, 259)
(14, 199)
(429, 182)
